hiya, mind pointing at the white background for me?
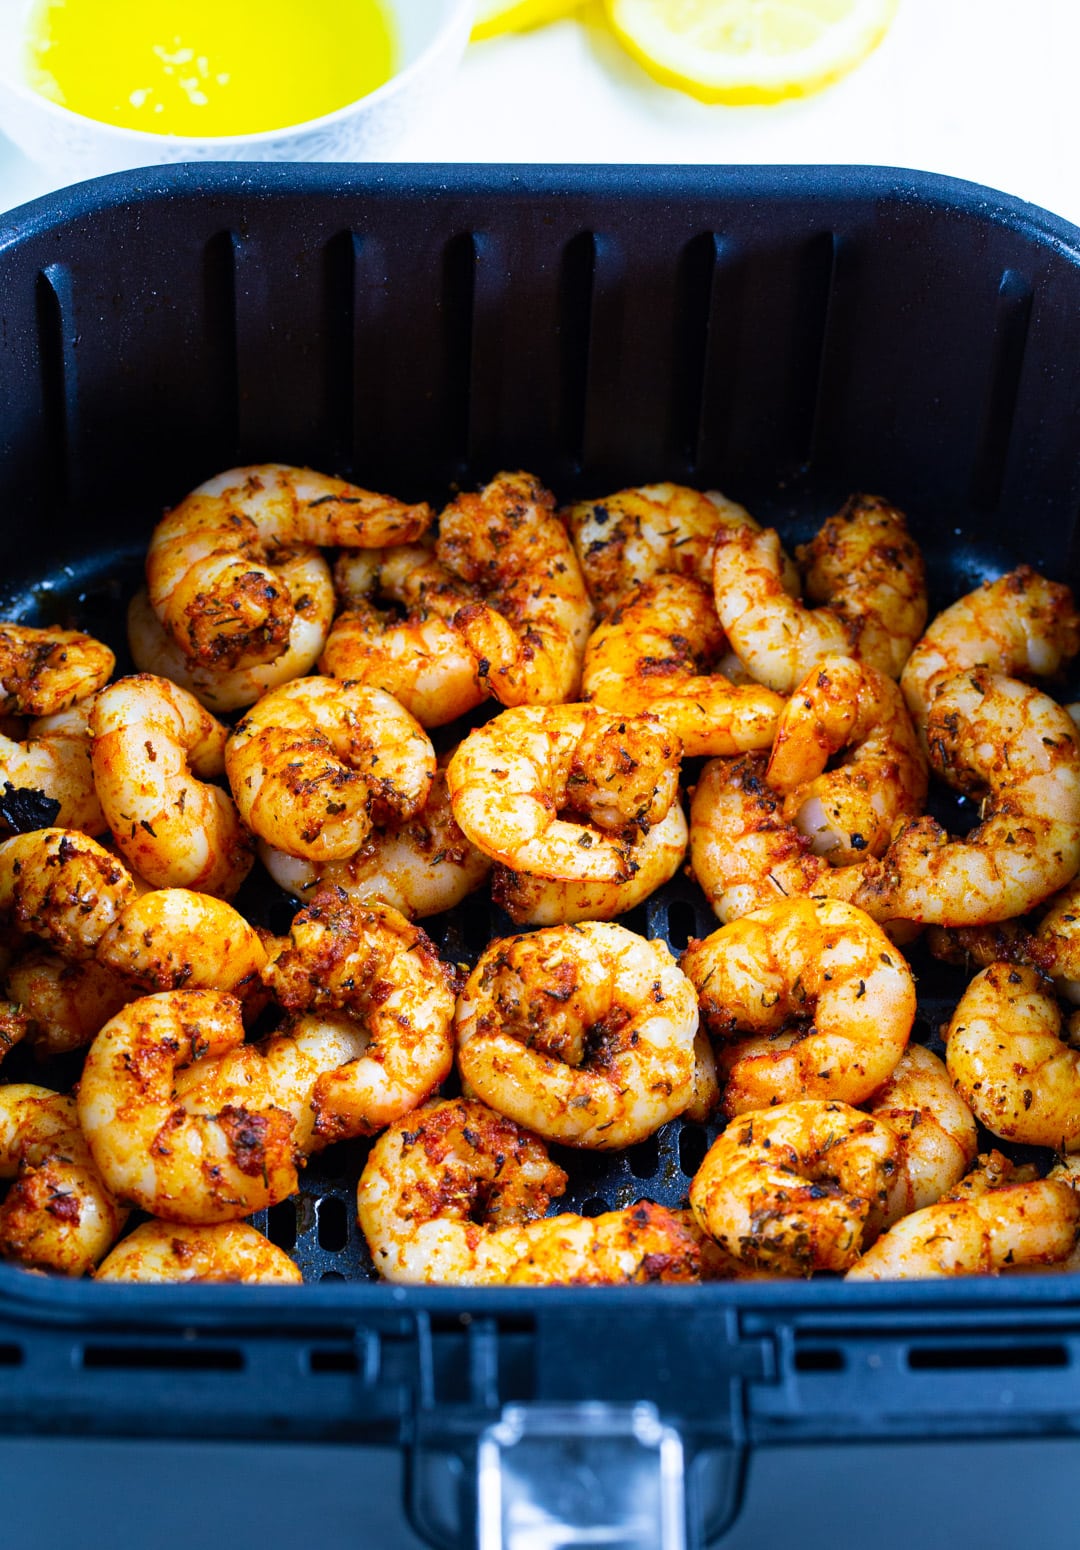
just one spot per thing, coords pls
(982, 89)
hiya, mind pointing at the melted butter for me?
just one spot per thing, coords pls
(208, 67)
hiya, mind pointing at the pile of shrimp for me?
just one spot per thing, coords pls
(539, 715)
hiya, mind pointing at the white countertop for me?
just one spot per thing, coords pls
(981, 89)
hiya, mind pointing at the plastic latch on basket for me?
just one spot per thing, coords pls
(555, 1477)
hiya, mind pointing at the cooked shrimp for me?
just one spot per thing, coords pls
(55, 760)
(167, 1251)
(66, 1003)
(865, 565)
(15, 1024)
(174, 939)
(445, 1191)
(796, 1188)
(628, 538)
(529, 631)
(935, 1127)
(643, 1243)
(993, 737)
(583, 1033)
(850, 811)
(211, 1162)
(656, 654)
(977, 1232)
(421, 867)
(306, 577)
(1052, 944)
(59, 1213)
(369, 961)
(805, 999)
(317, 761)
(62, 886)
(1007, 1058)
(510, 779)
(210, 569)
(45, 671)
(1021, 625)
(652, 861)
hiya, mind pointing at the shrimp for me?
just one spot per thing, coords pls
(58, 1214)
(64, 887)
(935, 1127)
(230, 1251)
(1021, 625)
(174, 939)
(655, 654)
(583, 1033)
(777, 639)
(210, 570)
(995, 735)
(306, 577)
(652, 861)
(643, 1243)
(43, 671)
(628, 538)
(315, 762)
(15, 1024)
(978, 1231)
(421, 867)
(796, 1188)
(529, 631)
(1052, 945)
(369, 961)
(66, 1004)
(1007, 1059)
(207, 1162)
(510, 779)
(154, 749)
(445, 1192)
(55, 760)
(850, 811)
(865, 565)
(421, 659)
(805, 999)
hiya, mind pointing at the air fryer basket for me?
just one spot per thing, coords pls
(788, 335)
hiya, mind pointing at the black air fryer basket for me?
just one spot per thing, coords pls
(788, 335)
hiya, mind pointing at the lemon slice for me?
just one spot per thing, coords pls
(750, 51)
(495, 16)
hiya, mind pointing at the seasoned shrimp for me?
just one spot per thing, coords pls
(66, 1003)
(58, 1214)
(207, 1162)
(167, 1251)
(804, 999)
(1011, 745)
(978, 1231)
(935, 1127)
(850, 811)
(1051, 945)
(174, 939)
(777, 639)
(210, 570)
(656, 654)
(865, 565)
(369, 961)
(510, 779)
(45, 671)
(583, 1033)
(317, 761)
(796, 1188)
(154, 749)
(1021, 625)
(643, 1243)
(421, 867)
(628, 538)
(64, 887)
(652, 861)
(306, 577)
(445, 1192)
(55, 760)
(1008, 1060)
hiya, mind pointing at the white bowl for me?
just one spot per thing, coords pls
(431, 35)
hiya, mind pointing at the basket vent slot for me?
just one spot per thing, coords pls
(281, 1225)
(1007, 360)
(969, 1358)
(219, 309)
(820, 1358)
(11, 1355)
(460, 257)
(693, 1144)
(147, 1358)
(333, 1218)
(327, 1360)
(575, 309)
(57, 387)
(596, 1205)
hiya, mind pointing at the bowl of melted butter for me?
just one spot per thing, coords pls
(91, 86)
